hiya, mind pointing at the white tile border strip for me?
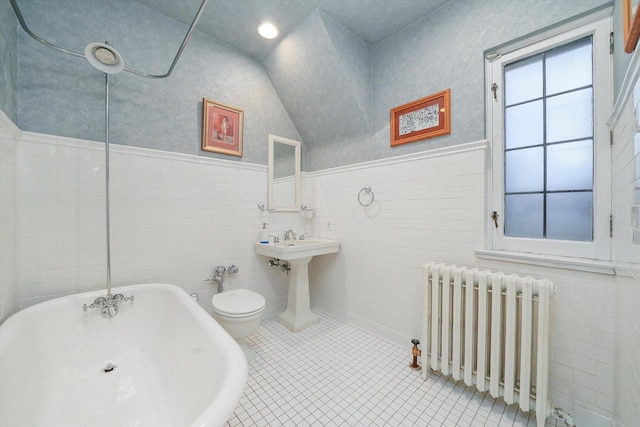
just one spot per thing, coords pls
(7, 127)
(482, 144)
(39, 138)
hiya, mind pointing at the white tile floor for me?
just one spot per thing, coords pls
(335, 374)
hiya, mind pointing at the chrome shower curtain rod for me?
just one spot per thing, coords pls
(24, 26)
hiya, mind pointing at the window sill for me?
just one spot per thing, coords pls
(579, 264)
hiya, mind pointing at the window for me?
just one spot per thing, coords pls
(548, 103)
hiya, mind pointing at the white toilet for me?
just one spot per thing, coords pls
(239, 312)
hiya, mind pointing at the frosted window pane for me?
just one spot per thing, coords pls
(570, 116)
(569, 67)
(523, 215)
(570, 166)
(524, 125)
(524, 170)
(570, 216)
(523, 80)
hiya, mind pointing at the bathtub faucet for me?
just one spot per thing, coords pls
(108, 304)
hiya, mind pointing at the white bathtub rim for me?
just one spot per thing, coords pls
(221, 408)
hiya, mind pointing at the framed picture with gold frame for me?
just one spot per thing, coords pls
(630, 24)
(221, 128)
(424, 118)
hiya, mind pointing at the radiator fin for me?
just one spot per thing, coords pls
(490, 330)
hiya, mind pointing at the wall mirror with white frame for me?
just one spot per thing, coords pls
(284, 174)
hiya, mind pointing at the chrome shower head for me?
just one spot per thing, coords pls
(104, 58)
(104, 55)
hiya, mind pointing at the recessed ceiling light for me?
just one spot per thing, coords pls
(268, 30)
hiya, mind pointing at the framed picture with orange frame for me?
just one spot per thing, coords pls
(424, 118)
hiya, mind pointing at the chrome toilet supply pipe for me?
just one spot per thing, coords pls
(219, 273)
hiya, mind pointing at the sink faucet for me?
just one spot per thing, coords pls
(301, 236)
(290, 234)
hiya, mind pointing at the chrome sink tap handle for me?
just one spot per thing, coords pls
(276, 239)
(301, 237)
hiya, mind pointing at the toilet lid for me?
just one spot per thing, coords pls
(238, 301)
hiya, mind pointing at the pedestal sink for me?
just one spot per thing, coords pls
(298, 315)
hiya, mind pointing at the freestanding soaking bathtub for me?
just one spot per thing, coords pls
(162, 361)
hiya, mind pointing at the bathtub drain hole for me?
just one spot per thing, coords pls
(110, 367)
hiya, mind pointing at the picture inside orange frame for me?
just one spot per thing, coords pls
(221, 128)
(421, 119)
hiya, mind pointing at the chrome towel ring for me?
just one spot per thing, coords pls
(366, 190)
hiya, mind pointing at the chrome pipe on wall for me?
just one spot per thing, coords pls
(186, 39)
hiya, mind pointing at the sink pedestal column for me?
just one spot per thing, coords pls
(298, 315)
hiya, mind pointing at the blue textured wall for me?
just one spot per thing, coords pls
(322, 74)
(8, 61)
(442, 50)
(64, 95)
(337, 90)
(445, 50)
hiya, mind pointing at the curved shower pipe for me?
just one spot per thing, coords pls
(186, 39)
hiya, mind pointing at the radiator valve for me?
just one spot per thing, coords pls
(416, 352)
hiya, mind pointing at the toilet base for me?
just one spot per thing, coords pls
(240, 328)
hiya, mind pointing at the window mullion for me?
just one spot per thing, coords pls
(544, 145)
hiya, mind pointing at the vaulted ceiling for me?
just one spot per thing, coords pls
(234, 22)
(320, 64)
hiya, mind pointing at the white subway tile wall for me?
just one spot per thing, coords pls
(432, 208)
(626, 249)
(8, 277)
(174, 217)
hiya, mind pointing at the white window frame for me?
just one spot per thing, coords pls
(598, 26)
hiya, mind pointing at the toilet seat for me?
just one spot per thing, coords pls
(238, 303)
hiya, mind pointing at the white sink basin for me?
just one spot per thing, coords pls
(296, 249)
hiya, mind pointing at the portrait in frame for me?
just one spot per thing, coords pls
(221, 128)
